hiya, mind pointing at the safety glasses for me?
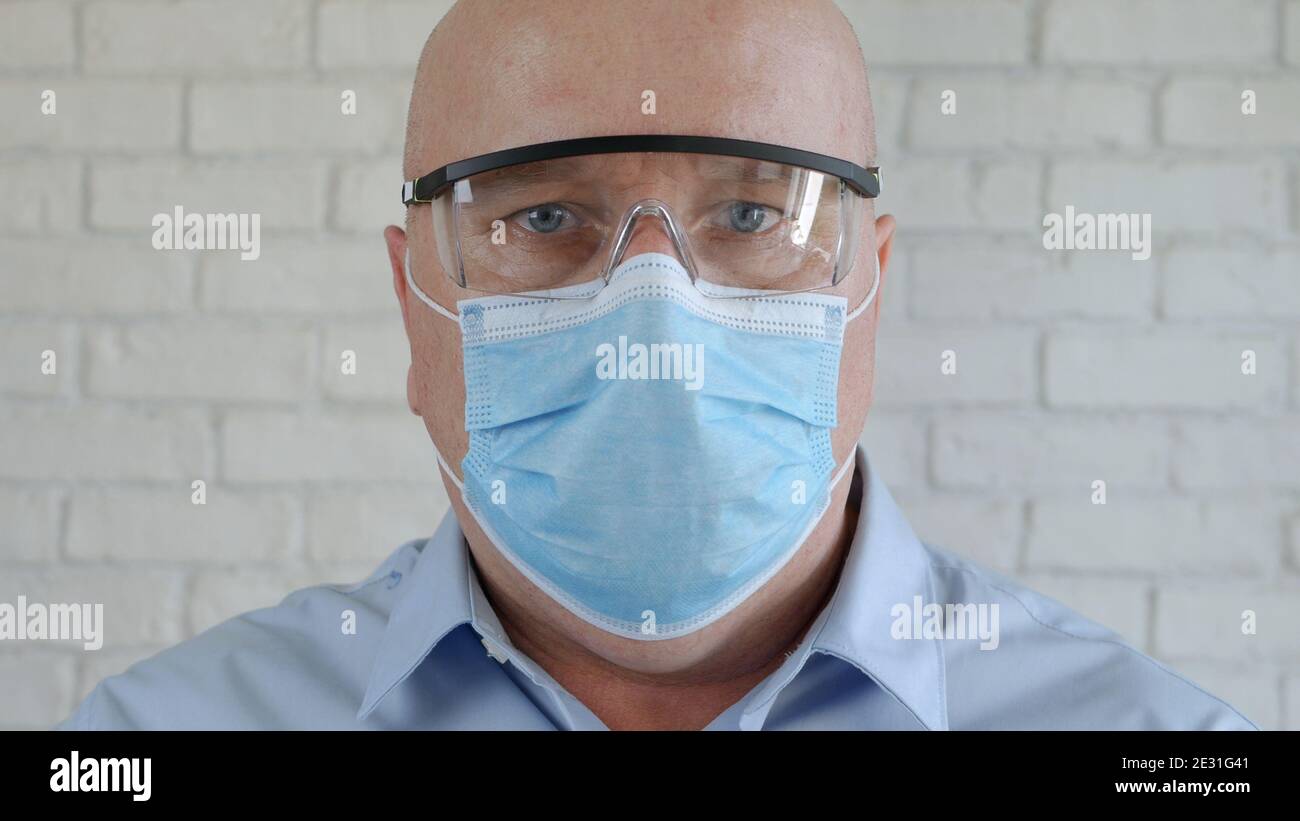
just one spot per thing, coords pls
(554, 219)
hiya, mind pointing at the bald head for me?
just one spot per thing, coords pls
(498, 74)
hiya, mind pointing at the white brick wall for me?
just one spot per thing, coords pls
(297, 118)
(139, 524)
(99, 441)
(995, 111)
(1203, 620)
(1160, 32)
(289, 193)
(316, 445)
(127, 116)
(1072, 367)
(1154, 534)
(40, 194)
(1206, 113)
(1240, 282)
(196, 36)
(1228, 196)
(31, 517)
(1177, 369)
(38, 35)
(193, 360)
(92, 277)
(1291, 33)
(994, 365)
(943, 32)
(1036, 453)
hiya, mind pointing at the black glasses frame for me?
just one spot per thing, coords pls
(864, 181)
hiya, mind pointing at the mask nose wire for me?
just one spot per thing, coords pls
(423, 297)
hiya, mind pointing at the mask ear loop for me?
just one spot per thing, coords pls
(843, 469)
(451, 474)
(423, 297)
(875, 285)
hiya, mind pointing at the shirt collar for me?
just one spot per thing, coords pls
(886, 565)
(435, 599)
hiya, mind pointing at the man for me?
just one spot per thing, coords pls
(645, 364)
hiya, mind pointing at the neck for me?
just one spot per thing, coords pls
(751, 641)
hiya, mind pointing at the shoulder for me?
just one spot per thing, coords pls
(300, 663)
(1052, 668)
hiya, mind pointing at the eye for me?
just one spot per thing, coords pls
(748, 217)
(546, 218)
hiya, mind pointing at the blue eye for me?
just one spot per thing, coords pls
(747, 217)
(546, 218)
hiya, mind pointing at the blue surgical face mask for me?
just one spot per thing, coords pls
(649, 456)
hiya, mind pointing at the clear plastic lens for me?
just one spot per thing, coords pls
(745, 224)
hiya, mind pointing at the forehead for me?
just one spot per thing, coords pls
(780, 72)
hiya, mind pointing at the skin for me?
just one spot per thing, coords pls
(498, 74)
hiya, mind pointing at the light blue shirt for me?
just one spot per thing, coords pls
(428, 653)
